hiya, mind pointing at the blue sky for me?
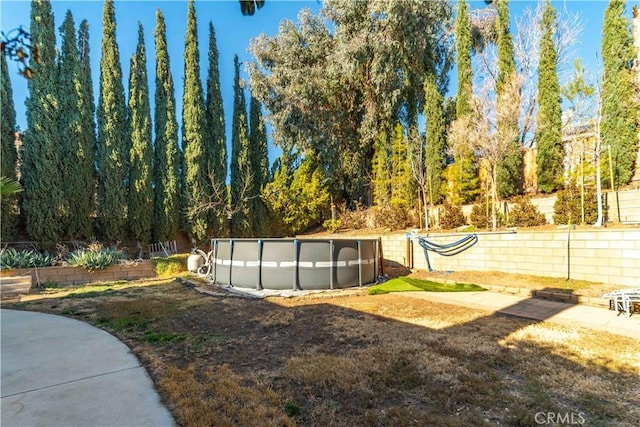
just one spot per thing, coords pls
(233, 32)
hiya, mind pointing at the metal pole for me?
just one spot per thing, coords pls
(331, 265)
(230, 260)
(359, 263)
(214, 258)
(296, 257)
(259, 281)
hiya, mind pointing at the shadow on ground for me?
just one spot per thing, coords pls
(363, 360)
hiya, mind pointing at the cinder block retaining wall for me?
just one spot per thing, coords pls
(607, 256)
(75, 276)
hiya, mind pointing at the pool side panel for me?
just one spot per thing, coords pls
(245, 265)
(346, 271)
(278, 264)
(314, 266)
(223, 262)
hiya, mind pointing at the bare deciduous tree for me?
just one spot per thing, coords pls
(526, 46)
(219, 200)
(419, 171)
(478, 132)
(527, 55)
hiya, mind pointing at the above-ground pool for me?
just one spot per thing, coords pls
(295, 264)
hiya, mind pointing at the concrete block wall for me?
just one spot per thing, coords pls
(545, 206)
(607, 256)
(624, 206)
(75, 275)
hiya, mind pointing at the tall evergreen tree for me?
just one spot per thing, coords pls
(400, 170)
(113, 146)
(140, 211)
(41, 170)
(464, 170)
(76, 158)
(241, 173)
(382, 170)
(464, 43)
(217, 147)
(9, 154)
(259, 165)
(510, 170)
(550, 153)
(86, 153)
(436, 139)
(619, 129)
(166, 164)
(194, 135)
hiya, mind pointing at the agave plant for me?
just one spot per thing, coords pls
(9, 186)
(9, 258)
(95, 259)
(36, 259)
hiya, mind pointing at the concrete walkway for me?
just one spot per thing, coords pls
(57, 371)
(534, 308)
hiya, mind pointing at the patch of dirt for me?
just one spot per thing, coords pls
(347, 358)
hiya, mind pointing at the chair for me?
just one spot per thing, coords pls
(623, 300)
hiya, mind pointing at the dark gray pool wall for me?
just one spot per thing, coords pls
(300, 264)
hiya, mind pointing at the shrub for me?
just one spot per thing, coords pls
(10, 258)
(390, 218)
(332, 225)
(567, 208)
(525, 214)
(95, 259)
(479, 217)
(355, 219)
(170, 266)
(451, 217)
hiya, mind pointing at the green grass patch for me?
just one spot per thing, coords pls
(405, 284)
(94, 293)
(120, 324)
(161, 338)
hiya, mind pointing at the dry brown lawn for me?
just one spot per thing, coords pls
(353, 360)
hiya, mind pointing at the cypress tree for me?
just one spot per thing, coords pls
(241, 175)
(9, 154)
(196, 180)
(86, 154)
(217, 147)
(76, 156)
(400, 170)
(436, 138)
(550, 153)
(166, 165)
(259, 164)
(464, 44)
(381, 170)
(619, 130)
(466, 172)
(140, 210)
(41, 170)
(113, 146)
(510, 170)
